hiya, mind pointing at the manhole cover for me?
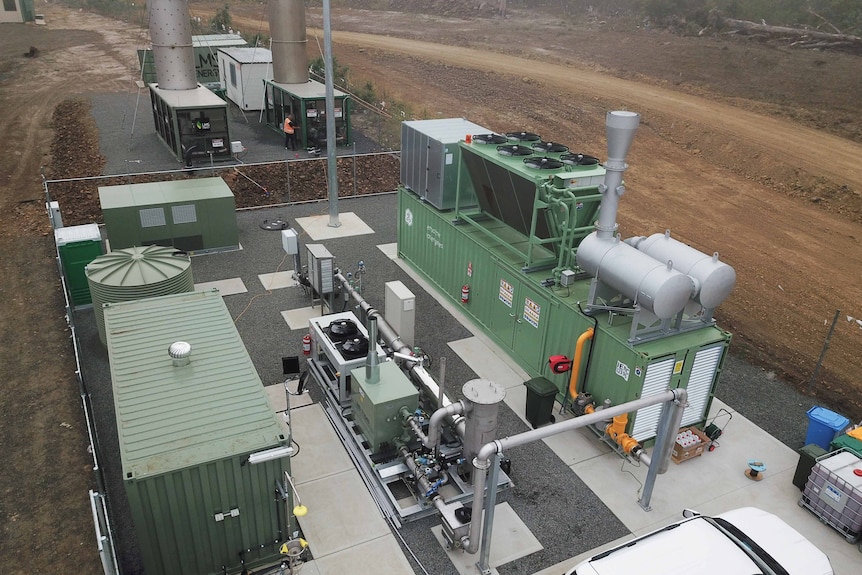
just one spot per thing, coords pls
(274, 225)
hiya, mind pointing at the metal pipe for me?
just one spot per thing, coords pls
(671, 417)
(620, 127)
(173, 54)
(435, 424)
(576, 362)
(482, 461)
(372, 369)
(289, 40)
(423, 482)
(331, 166)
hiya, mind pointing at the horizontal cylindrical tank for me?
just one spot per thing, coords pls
(714, 278)
(650, 283)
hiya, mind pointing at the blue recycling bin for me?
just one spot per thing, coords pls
(823, 426)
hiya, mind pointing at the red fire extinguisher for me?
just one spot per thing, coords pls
(465, 293)
(306, 344)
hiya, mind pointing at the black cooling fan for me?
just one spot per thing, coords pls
(523, 136)
(550, 147)
(489, 139)
(579, 160)
(514, 150)
(543, 163)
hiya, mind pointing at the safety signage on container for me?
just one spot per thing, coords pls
(532, 311)
(507, 292)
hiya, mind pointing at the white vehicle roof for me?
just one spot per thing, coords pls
(697, 546)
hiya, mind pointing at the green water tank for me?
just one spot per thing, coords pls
(78, 246)
(137, 273)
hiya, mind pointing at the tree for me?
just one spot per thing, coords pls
(221, 22)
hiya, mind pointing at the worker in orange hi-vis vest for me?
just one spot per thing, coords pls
(289, 133)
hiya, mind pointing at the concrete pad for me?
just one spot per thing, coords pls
(510, 540)
(277, 280)
(318, 228)
(390, 250)
(341, 513)
(230, 286)
(689, 484)
(278, 398)
(577, 445)
(320, 452)
(382, 555)
(298, 318)
(488, 361)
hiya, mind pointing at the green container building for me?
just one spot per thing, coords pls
(516, 254)
(193, 124)
(78, 246)
(187, 424)
(196, 215)
(306, 102)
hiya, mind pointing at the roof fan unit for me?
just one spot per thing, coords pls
(541, 163)
(514, 150)
(579, 160)
(489, 139)
(550, 147)
(523, 137)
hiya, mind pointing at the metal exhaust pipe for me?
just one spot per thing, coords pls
(372, 366)
(620, 128)
(173, 54)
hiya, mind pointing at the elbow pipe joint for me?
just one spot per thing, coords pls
(435, 423)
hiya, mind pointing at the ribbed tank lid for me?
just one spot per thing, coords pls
(137, 266)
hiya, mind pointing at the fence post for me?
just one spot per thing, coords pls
(823, 351)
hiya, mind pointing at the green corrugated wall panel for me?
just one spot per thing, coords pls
(560, 322)
(175, 517)
(212, 198)
(185, 431)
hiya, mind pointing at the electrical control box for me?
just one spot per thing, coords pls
(320, 269)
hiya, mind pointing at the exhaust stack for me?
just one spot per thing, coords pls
(173, 54)
(620, 128)
(372, 365)
(289, 39)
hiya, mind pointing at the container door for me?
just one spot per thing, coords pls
(656, 380)
(533, 312)
(505, 308)
(700, 383)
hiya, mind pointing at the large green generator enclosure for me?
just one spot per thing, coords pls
(196, 215)
(513, 264)
(191, 412)
(78, 246)
(193, 124)
(306, 102)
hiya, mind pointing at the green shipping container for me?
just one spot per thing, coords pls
(532, 322)
(185, 436)
(197, 215)
(78, 246)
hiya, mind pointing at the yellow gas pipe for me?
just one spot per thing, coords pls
(617, 432)
(576, 365)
